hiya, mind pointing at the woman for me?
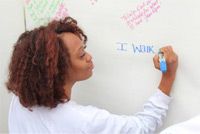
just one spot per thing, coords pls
(47, 62)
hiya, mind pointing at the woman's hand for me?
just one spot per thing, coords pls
(172, 64)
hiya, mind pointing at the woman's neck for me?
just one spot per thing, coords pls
(68, 87)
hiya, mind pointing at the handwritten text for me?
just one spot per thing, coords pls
(135, 48)
(143, 12)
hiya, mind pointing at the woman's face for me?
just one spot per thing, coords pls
(81, 61)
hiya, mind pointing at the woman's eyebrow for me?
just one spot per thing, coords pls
(80, 48)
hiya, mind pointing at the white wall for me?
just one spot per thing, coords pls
(11, 25)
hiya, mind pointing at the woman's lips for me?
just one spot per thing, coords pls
(91, 66)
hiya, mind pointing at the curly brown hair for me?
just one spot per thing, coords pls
(40, 62)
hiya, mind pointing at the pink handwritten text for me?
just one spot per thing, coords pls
(142, 12)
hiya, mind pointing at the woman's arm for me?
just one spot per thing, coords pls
(154, 111)
(172, 63)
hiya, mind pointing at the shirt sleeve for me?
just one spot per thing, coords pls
(146, 122)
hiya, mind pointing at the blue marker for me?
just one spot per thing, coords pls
(163, 64)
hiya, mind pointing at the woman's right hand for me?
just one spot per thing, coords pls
(172, 64)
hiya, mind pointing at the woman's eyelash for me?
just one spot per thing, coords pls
(84, 47)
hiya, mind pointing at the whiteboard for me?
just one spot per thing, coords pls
(123, 37)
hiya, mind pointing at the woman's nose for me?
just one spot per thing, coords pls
(89, 57)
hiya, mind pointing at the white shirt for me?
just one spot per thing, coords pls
(71, 118)
(191, 126)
